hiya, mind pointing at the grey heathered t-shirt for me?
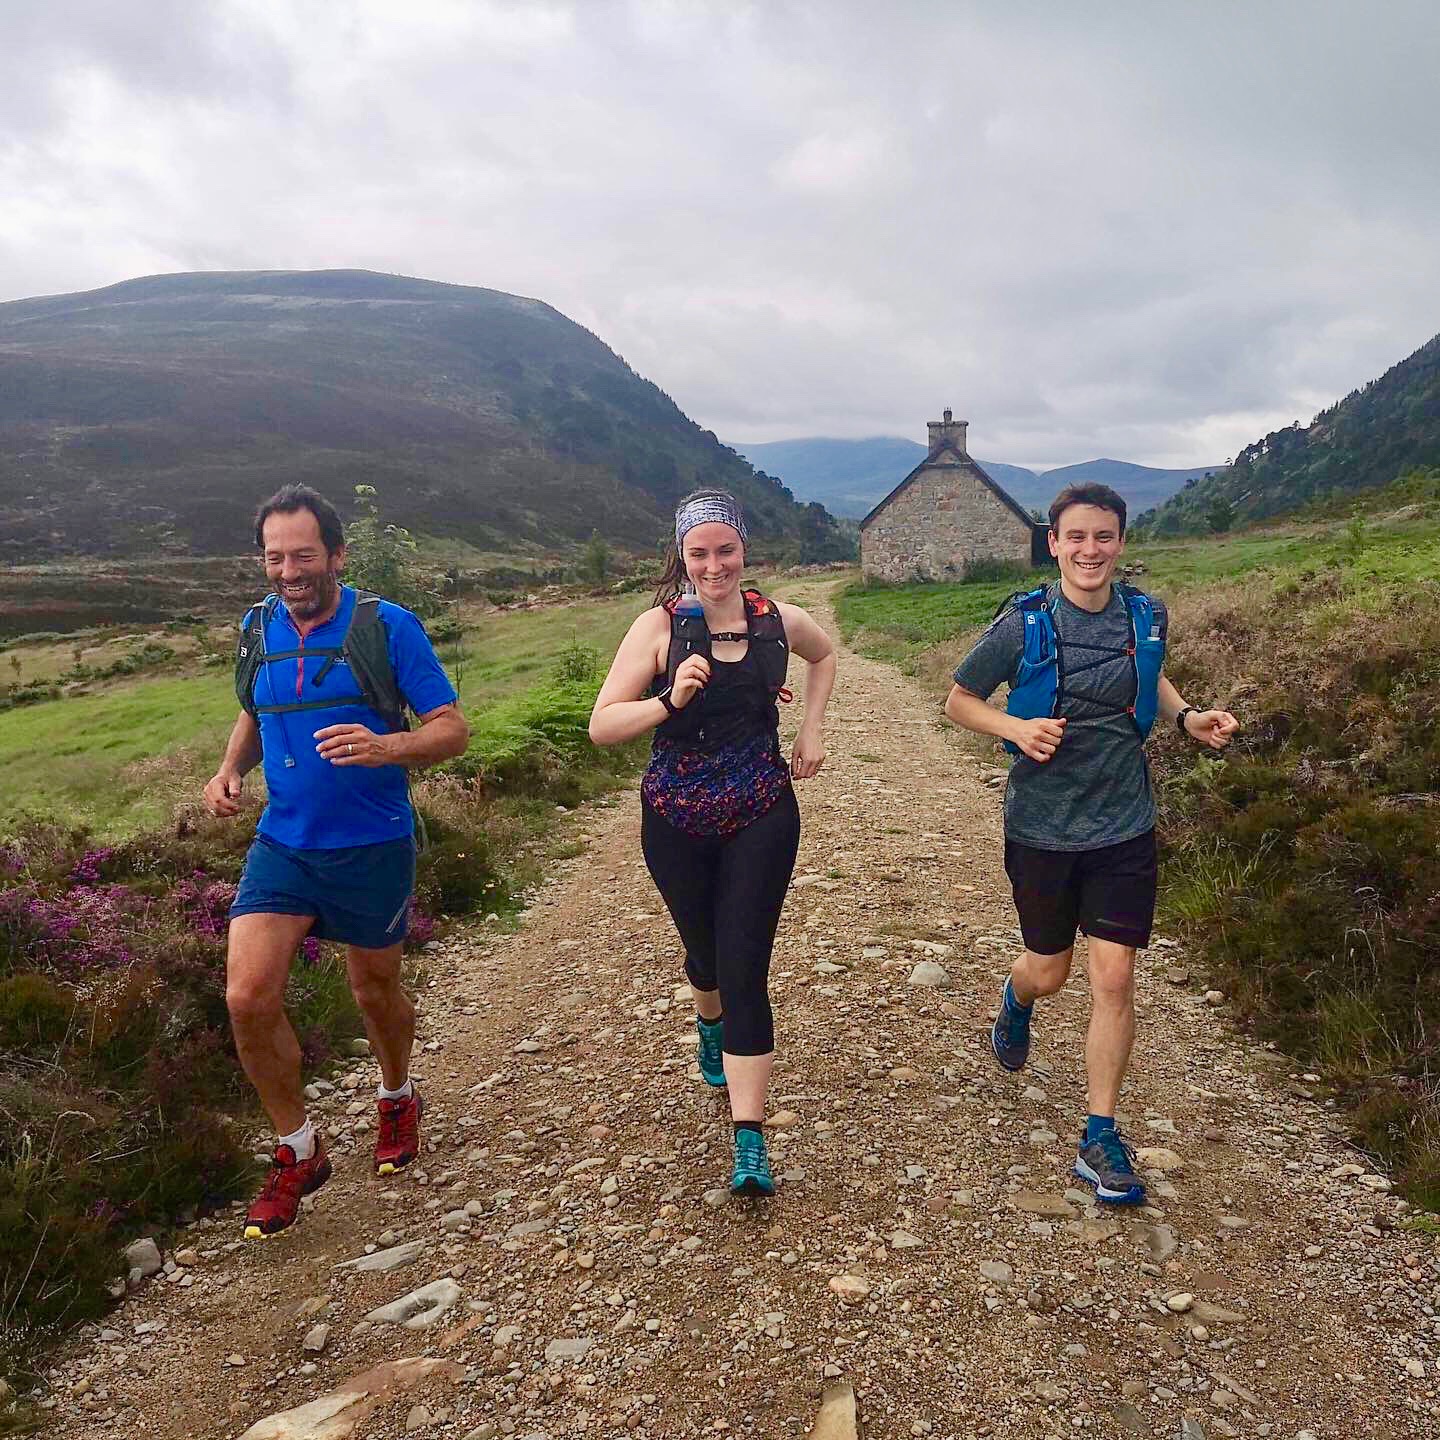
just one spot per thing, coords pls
(1095, 790)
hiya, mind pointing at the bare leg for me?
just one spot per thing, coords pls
(1033, 976)
(1112, 1022)
(707, 1002)
(389, 1012)
(748, 1078)
(260, 951)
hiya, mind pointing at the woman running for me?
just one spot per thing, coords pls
(720, 827)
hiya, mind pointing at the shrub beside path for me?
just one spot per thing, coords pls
(569, 1264)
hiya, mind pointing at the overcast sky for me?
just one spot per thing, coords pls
(1151, 231)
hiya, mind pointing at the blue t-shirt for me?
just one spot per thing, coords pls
(315, 805)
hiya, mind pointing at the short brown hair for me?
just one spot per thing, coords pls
(1102, 497)
(290, 498)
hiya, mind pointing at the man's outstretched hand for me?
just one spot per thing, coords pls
(224, 793)
(1211, 727)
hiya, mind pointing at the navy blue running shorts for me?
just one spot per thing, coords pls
(1108, 893)
(359, 895)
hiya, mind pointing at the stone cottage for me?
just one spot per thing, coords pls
(944, 516)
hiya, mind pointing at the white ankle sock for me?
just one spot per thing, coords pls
(403, 1093)
(302, 1142)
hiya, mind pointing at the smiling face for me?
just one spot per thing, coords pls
(714, 557)
(305, 575)
(1087, 542)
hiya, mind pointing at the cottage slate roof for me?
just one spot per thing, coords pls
(999, 491)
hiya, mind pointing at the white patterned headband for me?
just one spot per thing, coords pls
(707, 510)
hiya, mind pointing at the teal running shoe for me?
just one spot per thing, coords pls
(751, 1175)
(712, 1061)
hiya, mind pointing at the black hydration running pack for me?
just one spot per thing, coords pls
(364, 649)
(689, 635)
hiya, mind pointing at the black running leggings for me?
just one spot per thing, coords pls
(725, 893)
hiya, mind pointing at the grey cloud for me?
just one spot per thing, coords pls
(1131, 229)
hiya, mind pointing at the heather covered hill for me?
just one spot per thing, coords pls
(150, 415)
(1368, 439)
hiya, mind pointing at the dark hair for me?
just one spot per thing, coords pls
(290, 498)
(1102, 497)
(674, 578)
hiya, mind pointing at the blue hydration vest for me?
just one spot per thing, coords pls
(1046, 667)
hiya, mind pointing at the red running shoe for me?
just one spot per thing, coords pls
(277, 1205)
(398, 1142)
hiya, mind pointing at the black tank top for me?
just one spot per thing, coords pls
(734, 707)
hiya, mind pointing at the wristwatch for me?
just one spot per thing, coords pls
(1180, 718)
(664, 698)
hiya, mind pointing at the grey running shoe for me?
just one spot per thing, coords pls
(1108, 1164)
(1010, 1034)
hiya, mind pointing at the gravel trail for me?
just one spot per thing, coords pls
(589, 1276)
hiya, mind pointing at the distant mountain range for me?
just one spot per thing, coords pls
(849, 477)
(150, 417)
(1368, 439)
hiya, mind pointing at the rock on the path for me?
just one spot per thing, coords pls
(904, 1240)
(568, 1349)
(836, 1418)
(1180, 1302)
(144, 1256)
(930, 975)
(716, 1198)
(1191, 1429)
(1156, 1157)
(852, 1289)
(997, 1272)
(316, 1338)
(1160, 1239)
(337, 1416)
(420, 1308)
(418, 1418)
(1034, 1202)
(384, 1260)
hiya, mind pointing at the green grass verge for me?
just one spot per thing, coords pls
(899, 623)
(121, 759)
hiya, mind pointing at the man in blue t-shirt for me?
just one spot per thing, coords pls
(334, 852)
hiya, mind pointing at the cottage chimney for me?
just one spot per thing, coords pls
(947, 434)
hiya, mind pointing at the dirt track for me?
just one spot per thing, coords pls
(564, 1104)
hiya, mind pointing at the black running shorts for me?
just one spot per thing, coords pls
(1108, 893)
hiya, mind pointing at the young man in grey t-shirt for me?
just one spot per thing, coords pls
(1079, 811)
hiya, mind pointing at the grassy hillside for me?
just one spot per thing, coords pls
(1362, 442)
(151, 416)
(1303, 867)
(120, 759)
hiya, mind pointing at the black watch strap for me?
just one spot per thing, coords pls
(664, 698)
(1180, 718)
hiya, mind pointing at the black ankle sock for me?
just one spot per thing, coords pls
(718, 1020)
(749, 1125)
